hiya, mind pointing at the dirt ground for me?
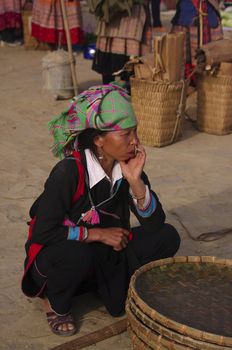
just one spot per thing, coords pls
(192, 178)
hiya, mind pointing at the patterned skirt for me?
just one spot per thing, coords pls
(10, 14)
(47, 21)
(122, 38)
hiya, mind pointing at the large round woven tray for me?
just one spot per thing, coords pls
(152, 339)
(185, 300)
(144, 325)
(136, 341)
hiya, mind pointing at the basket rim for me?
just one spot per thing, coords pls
(160, 82)
(186, 330)
(138, 328)
(168, 333)
(215, 78)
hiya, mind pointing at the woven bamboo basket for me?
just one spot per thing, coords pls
(151, 338)
(214, 106)
(169, 336)
(29, 41)
(136, 341)
(182, 303)
(159, 108)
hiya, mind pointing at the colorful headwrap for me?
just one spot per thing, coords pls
(102, 107)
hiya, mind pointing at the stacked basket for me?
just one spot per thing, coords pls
(181, 303)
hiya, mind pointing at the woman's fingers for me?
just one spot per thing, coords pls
(124, 243)
(122, 239)
(125, 232)
(117, 237)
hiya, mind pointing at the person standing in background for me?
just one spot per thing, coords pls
(47, 22)
(121, 32)
(200, 20)
(11, 21)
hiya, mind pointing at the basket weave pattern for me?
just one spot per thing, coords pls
(214, 107)
(136, 341)
(148, 315)
(158, 106)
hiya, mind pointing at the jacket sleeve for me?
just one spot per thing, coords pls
(153, 217)
(55, 203)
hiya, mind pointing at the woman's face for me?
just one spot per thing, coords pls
(118, 145)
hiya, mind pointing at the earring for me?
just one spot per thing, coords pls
(99, 153)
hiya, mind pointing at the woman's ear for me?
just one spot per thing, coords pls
(98, 140)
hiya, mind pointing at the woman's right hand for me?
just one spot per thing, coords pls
(115, 237)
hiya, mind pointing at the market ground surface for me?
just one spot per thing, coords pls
(192, 178)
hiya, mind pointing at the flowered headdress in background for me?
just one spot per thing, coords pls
(102, 107)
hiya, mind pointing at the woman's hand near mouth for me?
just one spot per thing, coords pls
(132, 168)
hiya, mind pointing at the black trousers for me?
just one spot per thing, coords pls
(69, 266)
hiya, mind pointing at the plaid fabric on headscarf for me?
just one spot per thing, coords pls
(102, 107)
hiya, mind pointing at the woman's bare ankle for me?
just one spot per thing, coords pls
(47, 306)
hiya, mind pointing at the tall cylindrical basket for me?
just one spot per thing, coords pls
(214, 104)
(159, 107)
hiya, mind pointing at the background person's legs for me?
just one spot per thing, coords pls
(155, 9)
(107, 78)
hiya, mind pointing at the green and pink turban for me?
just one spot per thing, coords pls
(102, 107)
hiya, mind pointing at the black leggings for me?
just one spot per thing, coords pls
(155, 8)
(68, 266)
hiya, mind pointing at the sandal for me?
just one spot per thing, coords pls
(55, 321)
